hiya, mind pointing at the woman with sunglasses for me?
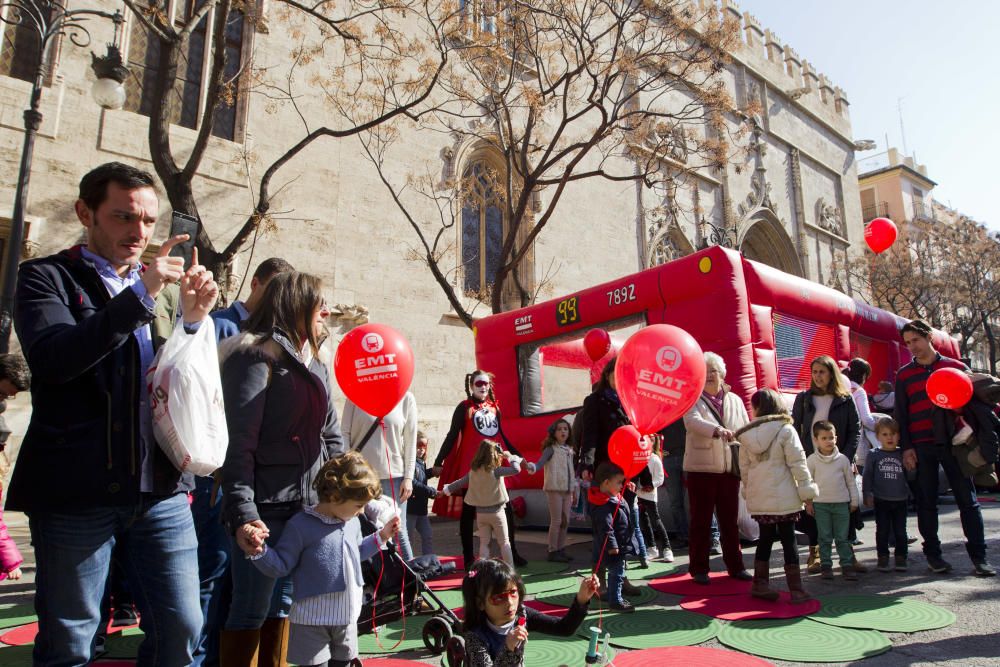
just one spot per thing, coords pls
(475, 418)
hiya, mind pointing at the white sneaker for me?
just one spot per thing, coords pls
(667, 556)
(652, 553)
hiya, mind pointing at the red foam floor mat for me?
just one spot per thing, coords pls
(689, 656)
(683, 584)
(744, 607)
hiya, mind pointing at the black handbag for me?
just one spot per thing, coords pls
(733, 447)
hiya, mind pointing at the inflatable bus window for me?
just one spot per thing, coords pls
(767, 325)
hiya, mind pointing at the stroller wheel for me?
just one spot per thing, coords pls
(456, 651)
(437, 632)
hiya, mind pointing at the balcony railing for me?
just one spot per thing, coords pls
(877, 210)
(922, 211)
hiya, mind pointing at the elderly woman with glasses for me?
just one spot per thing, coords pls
(712, 479)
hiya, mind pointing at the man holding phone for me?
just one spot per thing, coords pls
(90, 474)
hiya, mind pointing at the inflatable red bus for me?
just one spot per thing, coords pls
(767, 325)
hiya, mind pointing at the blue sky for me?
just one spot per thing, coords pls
(941, 60)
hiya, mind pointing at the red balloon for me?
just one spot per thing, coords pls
(659, 376)
(880, 233)
(374, 368)
(949, 388)
(597, 342)
(629, 450)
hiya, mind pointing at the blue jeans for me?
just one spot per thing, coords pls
(213, 568)
(421, 524)
(256, 597)
(403, 537)
(929, 457)
(673, 468)
(73, 556)
(616, 576)
(639, 542)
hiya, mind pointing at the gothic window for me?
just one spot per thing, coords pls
(19, 49)
(482, 227)
(187, 98)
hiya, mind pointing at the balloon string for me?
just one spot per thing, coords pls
(600, 559)
(402, 592)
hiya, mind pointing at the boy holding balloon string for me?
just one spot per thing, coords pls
(611, 519)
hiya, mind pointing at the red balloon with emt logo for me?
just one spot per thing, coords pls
(949, 388)
(880, 234)
(659, 375)
(629, 450)
(374, 368)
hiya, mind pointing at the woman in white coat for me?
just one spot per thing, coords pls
(395, 470)
(776, 482)
(713, 485)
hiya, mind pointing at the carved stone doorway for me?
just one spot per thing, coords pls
(765, 241)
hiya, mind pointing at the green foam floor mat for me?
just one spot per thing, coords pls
(546, 650)
(555, 583)
(881, 612)
(451, 599)
(650, 628)
(803, 640)
(539, 567)
(655, 569)
(565, 599)
(390, 634)
(120, 645)
(14, 615)
(20, 656)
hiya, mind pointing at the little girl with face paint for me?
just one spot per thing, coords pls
(497, 624)
(475, 419)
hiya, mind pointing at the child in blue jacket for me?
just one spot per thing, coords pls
(609, 515)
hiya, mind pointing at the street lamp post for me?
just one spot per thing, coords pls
(49, 19)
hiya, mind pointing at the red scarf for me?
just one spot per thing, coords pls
(597, 497)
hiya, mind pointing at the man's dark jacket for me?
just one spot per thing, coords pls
(82, 447)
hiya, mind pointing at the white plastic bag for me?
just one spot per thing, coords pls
(189, 419)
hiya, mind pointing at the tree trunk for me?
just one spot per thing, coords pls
(988, 330)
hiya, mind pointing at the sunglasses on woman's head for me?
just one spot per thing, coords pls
(481, 383)
(500, 598)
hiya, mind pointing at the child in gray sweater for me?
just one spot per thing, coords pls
(884, 487)
(322, 548)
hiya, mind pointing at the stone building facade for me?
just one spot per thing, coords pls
(793, 203)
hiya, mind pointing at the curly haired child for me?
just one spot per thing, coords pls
(322, 548)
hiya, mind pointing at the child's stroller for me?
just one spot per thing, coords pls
(394, 599)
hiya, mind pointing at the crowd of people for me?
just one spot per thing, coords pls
(261, 564)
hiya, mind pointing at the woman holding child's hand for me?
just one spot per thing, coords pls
(282, 429)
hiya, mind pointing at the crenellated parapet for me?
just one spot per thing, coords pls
(781, 66)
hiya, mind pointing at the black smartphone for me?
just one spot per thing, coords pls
(182, 223)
